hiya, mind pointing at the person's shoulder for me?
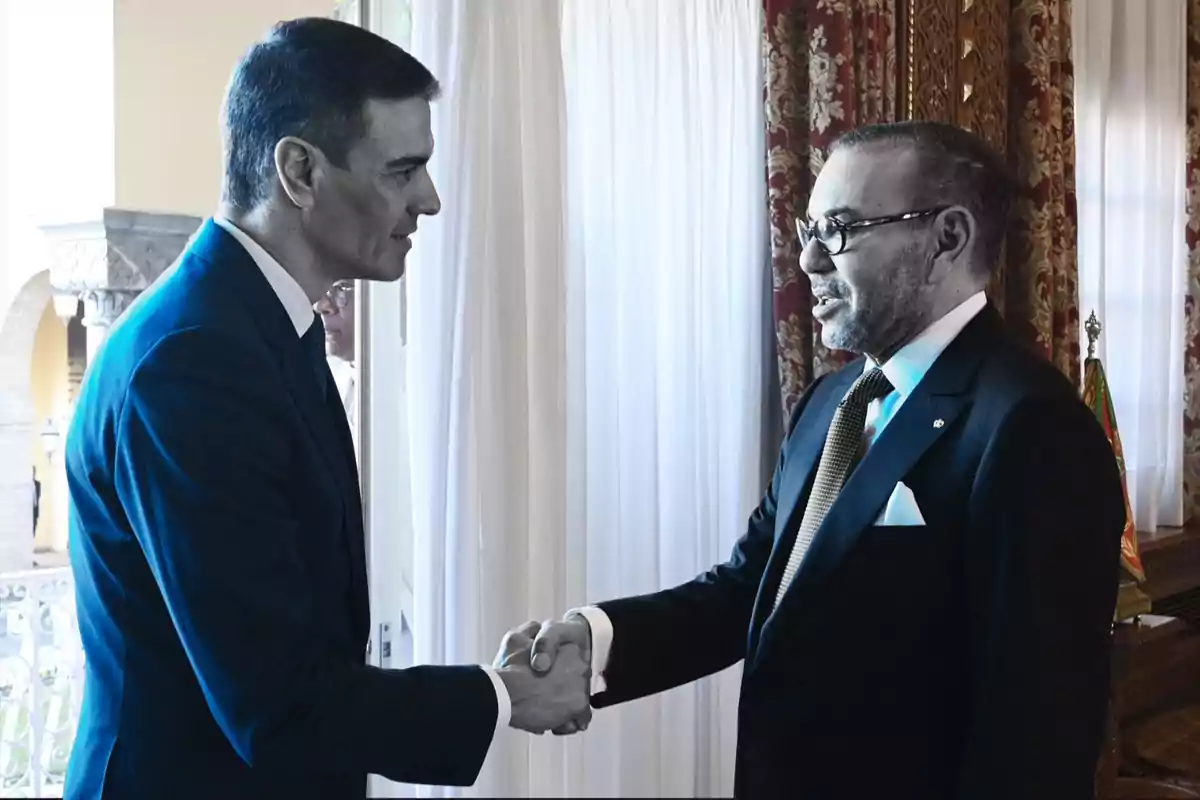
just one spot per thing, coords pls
(1022, 401)
(1013, 374)
(1017, 394)
(183, 315)
(171, 330)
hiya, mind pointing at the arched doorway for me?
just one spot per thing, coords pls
(17, 422)
(41, 659)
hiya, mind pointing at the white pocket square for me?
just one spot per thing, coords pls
(901, 508)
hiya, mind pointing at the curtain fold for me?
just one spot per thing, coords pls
(485, 305)
(830, 67)
(1130, 113)
(1037, 290)
(665, 273)
(585, 361)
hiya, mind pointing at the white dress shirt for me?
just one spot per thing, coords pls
(347, 386)
(300, 310)
(905, 370)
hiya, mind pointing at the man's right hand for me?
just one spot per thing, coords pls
(573, 631)
(550, 701)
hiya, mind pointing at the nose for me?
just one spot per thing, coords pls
(324, 307)
(814, 260)
(428, 202)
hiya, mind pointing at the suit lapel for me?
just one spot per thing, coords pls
(342, 423)
(326, 421)
(353, 495)
(802, 455)
(905, 439)
(244, 281)
(336, 413)
(804, 452)
(926, 415)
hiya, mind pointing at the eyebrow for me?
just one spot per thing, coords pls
(833, 212)
(406, 161)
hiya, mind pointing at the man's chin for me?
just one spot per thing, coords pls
(382, 273)
(390, 271)
(836, 337)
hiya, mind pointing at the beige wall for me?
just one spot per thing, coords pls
(49, 383)
(56, 148)
(172, 59)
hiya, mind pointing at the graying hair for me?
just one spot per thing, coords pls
(956, 168)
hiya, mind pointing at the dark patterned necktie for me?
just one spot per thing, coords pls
(842, 446)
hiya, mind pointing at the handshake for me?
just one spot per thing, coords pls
(546, 668)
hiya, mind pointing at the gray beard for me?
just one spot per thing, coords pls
(885, 316)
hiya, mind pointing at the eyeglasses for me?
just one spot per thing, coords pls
(831, 233)
(341, 294)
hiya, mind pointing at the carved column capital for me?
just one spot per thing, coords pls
(123, 251)
(101, 307)
(107, 262)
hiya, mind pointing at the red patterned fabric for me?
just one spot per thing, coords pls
(1191, 364)
(1040, 294)
(830, 66)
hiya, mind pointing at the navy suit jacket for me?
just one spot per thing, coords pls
(965, 659)
(217, 545)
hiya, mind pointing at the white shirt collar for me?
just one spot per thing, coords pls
(908, 366)
(293, 298)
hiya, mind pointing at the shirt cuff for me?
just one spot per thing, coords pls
(503, 702)
(602, 636)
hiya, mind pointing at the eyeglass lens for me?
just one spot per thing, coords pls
(830, 235)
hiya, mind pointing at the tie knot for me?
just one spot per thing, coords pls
(871, 385)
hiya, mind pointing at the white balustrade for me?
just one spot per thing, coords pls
(41, 680)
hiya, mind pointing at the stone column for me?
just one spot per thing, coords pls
(109, 261)
(101, 308)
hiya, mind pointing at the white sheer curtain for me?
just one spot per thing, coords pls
(486, 353)
(585, 359)
(1130, 130)
(667, 258)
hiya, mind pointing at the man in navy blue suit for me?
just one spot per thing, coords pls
(216, 527)
(922, 600)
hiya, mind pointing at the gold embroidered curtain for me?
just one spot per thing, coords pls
(1191, 364)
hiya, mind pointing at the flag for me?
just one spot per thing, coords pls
(1098, 399)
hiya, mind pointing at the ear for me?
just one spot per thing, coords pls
(296, 166)
(955, 230)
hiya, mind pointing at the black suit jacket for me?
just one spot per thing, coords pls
(964, 659)
(217, 546)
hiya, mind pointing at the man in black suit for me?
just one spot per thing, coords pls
(923, 597)
(216, 526)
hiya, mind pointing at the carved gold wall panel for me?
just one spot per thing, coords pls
(954, 64)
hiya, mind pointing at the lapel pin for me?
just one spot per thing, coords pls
(937, 423)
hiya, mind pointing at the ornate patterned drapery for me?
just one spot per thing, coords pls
(1040, 295)
(1001, 68)
(1191, 364)
(830, 66)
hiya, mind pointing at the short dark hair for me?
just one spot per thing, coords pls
(309, 78)
(956, 167)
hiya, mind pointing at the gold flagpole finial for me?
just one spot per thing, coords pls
(1093, 328)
